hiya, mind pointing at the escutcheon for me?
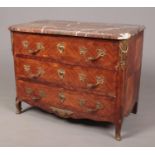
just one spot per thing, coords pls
(60, 47)
(61, 73)
(61, 97)
(25, 44)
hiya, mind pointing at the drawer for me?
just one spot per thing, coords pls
(64, 102)
(72, 77)
(69, 50)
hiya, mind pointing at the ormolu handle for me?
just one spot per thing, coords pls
(34, 52)
(100, 54)
(39, 47)
(99, 106)
(99, 80)
(30, 92)
(36, 98)
(90, 85)
(38, 74)
(41, 94)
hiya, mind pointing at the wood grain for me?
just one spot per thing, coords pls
(71, 102)
(71, 78)
(71, 52)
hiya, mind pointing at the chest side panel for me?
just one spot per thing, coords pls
(133, 72)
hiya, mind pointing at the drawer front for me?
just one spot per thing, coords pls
(64, 102)
(70, 50)
(73, 77)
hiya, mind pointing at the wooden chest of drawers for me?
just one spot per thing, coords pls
(78, 70)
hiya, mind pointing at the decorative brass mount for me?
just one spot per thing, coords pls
(31, 92)
(40, 72)
(123, 45)
(100, 53)
(60, 47)
(82, 77)
(99, 81)
(99, 106)
(61, 73)
(82, 102)
(62, 97)
(61, 112)
(39, 47)
(83, 50)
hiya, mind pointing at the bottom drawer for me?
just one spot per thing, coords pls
(66, 103)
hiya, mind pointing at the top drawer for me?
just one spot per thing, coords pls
(70, 50)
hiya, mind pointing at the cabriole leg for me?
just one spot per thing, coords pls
(18, 106)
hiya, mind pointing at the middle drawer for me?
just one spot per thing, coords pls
(72, 77)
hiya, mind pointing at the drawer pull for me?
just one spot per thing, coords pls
(99, 81)
(61, 112)
(99, 106)
(100, 53)
(82, 77)
(82, 102)
(90, 85)
(39, 47)
(82, 50)
(39, 72)
(36, 98)
(30, 92)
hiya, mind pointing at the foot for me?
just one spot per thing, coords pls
(18, 106)
(118, 137)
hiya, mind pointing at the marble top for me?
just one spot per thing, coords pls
(81, 29)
